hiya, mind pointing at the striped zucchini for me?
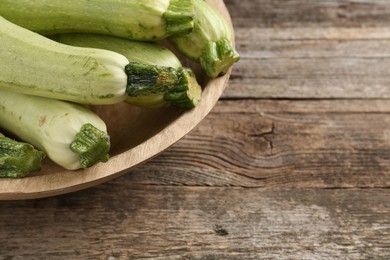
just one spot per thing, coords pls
(211, 41)
(133, 19)
(186, 94)
(33, 64)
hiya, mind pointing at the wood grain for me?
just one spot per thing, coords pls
(315, 14)
(302, 63)
(292, 143)
(311, 49)
(125, 221)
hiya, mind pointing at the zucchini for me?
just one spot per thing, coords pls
(71, 135)
(18, 159)
(133, 19)
(186, 94)
(33, 64)
(211, 41)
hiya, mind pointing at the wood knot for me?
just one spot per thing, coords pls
(220, 231)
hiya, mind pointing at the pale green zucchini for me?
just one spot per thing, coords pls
(211, 41)
(35, 65)
(71, 135)
(186, 94)
(18, 159)
(133, 19)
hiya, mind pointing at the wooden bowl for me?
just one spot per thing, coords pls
(136, 134)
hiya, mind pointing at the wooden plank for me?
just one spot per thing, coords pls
(302, 13)
(311, 63)
(123, 221)
(311, 49)
(265, 143)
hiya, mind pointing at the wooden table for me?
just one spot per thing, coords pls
(292, 163)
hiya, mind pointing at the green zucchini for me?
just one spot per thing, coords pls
(133, 19)
(211, 41)
(185, 94)
(71, 135)
(33, 64)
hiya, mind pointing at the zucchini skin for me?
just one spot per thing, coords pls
(132, 19)
(211, 41)
(156, 77)
(35, 65)
(71, 135)
(150, 53)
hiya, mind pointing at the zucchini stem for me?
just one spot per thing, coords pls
(187, 93)
(18, 159)
(217, 57)
(144, 79)
(92, 145)
(178, 87)
(179, 17)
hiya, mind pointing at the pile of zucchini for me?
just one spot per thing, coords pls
(58, 56)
